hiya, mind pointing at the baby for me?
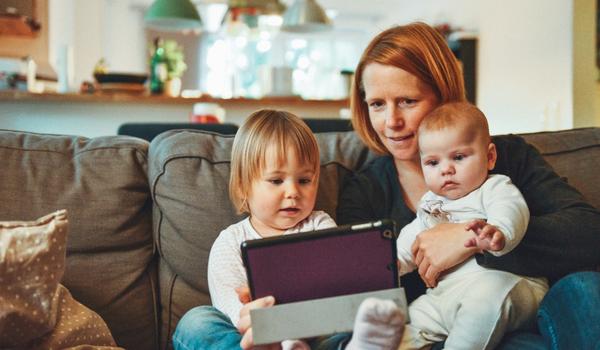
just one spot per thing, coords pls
(471, 307)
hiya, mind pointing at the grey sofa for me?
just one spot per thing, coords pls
(143, 216)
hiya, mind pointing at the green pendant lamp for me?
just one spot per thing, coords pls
(305, 16)
(172, 15)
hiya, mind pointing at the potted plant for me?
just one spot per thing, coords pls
(175, 64)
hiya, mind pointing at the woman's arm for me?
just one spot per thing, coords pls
(375, 193)
(564, 231)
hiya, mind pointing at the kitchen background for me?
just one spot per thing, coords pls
(536, 61)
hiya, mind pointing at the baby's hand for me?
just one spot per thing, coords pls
(487, 237)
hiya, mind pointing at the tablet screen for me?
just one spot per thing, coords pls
(311, 265)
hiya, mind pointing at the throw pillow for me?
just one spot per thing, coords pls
(36, 312)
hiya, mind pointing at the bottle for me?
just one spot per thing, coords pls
(158, 68)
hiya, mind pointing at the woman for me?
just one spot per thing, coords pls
(404, 73)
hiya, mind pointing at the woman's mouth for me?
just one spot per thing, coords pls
(400, 138)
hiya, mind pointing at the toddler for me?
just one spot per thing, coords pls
(274, 179)
(471, 307)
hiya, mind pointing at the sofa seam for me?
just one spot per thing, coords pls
(170, 305)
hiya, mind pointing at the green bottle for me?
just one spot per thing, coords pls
(158, 68)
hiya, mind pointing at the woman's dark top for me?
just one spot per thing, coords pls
(563, 235)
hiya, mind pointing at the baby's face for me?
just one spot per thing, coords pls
(455, 162)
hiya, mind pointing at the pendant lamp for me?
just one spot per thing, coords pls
(305, 16)
(172, 15)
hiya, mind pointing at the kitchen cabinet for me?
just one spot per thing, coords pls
(19, 18)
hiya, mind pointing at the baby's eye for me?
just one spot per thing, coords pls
(431, 163)
(459, 157)
(275, 181)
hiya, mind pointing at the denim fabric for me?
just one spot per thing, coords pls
(568, 318)
(569, 315)
(206, 328)
(522, 340)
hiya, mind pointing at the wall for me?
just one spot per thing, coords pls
(585, 71)
(524, 56)
(93, 119)
(534, 68)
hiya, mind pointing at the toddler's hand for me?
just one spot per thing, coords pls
(244, 325)
(487, 237)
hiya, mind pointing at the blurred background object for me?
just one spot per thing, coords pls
(172, 15)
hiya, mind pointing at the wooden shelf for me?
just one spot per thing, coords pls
(10, 95)
(18, 26)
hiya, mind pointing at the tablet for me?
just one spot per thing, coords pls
(326, 263)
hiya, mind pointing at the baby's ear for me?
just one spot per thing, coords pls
(491, 156)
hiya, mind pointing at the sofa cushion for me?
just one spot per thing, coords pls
(573, 154)
(36, 312)
(32, 259)
(189, 174)
(103, 184)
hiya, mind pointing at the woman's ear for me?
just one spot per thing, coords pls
(491, 156)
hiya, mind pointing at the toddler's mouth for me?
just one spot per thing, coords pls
(290, 210)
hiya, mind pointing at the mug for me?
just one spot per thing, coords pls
(205, 113)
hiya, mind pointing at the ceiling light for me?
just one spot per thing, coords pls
(172, 15)
(305, 16)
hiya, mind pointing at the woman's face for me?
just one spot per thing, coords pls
(397, 102)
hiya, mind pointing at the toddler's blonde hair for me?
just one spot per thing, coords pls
(264, 129)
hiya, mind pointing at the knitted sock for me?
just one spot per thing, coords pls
(379, 325)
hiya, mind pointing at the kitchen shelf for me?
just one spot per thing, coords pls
(18, 26)
(11, 95)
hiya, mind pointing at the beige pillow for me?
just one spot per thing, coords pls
(37, 312)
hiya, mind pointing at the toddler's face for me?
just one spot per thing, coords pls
(455, 163)
(283, 195)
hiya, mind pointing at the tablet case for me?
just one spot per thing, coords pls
(320, 264)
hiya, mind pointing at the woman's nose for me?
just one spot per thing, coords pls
(394, 118)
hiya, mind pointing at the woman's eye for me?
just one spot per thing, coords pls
(407, 102)
(375, 105)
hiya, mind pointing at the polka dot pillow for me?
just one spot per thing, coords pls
(37, 312)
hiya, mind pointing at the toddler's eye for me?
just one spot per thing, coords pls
(459, 157)
(431, 163)
(305, 181)
(275, 181)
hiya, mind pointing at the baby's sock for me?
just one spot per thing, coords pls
(379, 325)
(294, 345)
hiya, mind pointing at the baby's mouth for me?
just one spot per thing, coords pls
(449, 184)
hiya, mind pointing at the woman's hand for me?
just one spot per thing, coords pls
(244, 325)
(487, 237)
(439, 249)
